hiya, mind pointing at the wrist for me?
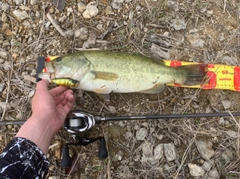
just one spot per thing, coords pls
(38, 132)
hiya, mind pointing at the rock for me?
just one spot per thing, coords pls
(3, 53)
(230, 60)
(207, 165)
(232, 134)
(158, 152)
(209, 13)
(90, 42)
(149, 156)
(226, 104)
(128, 135)
(33, 2)
(112, 109)
(178, 24)
(4, 17)
(205, 149)
(1, 61)
(2, 86)
(117, 156)
(221, 121)
(21, 15)
(195, 170)
(155, 49)
(82, 33)
(81, 7)
(5, 7)
(91, 10)
(109, 10)
(227, 156)
(3, 105)
(31, 93)
(195, 40)
(26, 23)
(18, 2)
(117, 4)
(170, 152)
(213, 173)
(141, 134)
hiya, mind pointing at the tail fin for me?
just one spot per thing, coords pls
(196, 74)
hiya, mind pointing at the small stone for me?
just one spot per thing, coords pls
(99, 26)
(178, 24)
(4, 17)
(81, 7)
(31, 93)
(170, 152)
(195, 170)
(158, 152)
(229, 60)
(141, 134)
(221, 121)
(117, 4)
(2, 86)
(82, 33)
(91, 10)
(26, 23)
(227, 156)
(3, 106)
(128, 135)
(226, 104)
(232, 134)
(112, 109)
(1, 61)
(213, 173)
(205, 149)
(18, 2)
(207, 165)
(21, 15)
(5, 7)
(155, 49)
(147, 149)
(3, 53)
(33, 2)
(109, 10)
(209, 13)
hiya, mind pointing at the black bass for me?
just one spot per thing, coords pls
(104, 72)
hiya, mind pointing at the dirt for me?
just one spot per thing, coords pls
(198, 31)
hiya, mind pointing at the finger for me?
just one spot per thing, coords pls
(58, 99)
(57, 90)
(42, 85)
(66, 105)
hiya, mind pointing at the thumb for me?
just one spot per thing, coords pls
(42, 85)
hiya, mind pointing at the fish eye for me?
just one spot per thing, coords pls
(58, 59)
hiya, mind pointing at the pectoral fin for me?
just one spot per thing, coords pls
(65, 82)
(105, 75)
(157, 88)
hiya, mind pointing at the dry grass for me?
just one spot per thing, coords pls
(132, 37)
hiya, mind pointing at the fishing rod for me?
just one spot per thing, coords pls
(79, 124)
(140, 117)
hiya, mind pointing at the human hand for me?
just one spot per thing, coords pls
(50, 107)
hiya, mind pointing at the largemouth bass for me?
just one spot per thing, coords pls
(104, 72)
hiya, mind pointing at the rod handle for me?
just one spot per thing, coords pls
(102, 153)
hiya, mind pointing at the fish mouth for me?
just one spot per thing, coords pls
(48, 66)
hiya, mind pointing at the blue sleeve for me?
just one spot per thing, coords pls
(22, 159)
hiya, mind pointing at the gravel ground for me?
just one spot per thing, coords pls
(197, 31)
